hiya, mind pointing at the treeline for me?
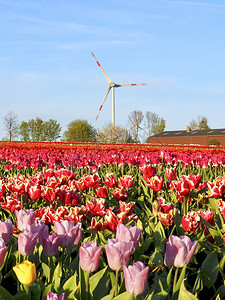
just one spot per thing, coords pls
(139, 126)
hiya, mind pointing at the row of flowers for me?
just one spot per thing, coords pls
(166, 215)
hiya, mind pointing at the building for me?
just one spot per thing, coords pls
(200, 137)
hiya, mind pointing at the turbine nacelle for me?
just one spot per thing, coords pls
(112, 85)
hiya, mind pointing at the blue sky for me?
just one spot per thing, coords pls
(175, 47)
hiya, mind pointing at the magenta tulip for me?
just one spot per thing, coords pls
(50, 245)
(136, 278)
(6, 230)
(179, 251)
(127, 234)
(89, 254)
(3, 250)
(54, 296)
(25, 218)
(26, 242)
(70, 234)
(118, 253)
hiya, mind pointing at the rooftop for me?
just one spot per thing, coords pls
(177, 133)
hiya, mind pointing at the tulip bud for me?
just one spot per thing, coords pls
(179, 251)
(118, 253)
(25, 218)
(70, 234)
(26, 242)
(89, 255)
(54, 296)
(25, 272)
(135, 278)
(3, 250)
(6, 230)
(50, 245)
(127, 234)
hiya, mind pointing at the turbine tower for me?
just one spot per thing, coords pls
(112, 85)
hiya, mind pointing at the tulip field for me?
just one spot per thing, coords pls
(111, 221)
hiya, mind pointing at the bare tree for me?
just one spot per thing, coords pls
(135, 119)
(11, 125)
(200, 124)
(153, 123)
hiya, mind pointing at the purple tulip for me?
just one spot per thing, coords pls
(136, 278)
(6, 230)
(54, 296)
(127, 234)
(89, 256)
(26, 242)
(179, 251)
(50, 245)
(70, 234)
(25, 218)
(118, 253)
(41, 228)
(3, 250)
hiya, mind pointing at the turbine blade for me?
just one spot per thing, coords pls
(106, 76)
(106, 94)
(131, 84)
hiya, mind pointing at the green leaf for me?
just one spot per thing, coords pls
(169, 276)
(156, 258)
(57, 277)
(181, 278)
(4, 294)
(123, 296)
(184, 294)
(46, 291)
(70, 285)
(209, 269)
(98, 281)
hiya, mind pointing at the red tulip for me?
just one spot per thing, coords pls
(110, 180)
(190, 221)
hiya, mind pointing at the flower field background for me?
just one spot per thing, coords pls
(108, 221)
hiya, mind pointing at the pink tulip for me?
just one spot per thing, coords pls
(6, 230)
(136, 278)
(26, 242)
(127, 234)
(3, 250)
(118, 253)
(89, 256)
(70, 234)
(25, 218)
(50, 245)
(54, 296)
(179, 251)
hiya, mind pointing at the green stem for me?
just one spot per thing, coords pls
(87, 285)
(175, 279)
(116, 284)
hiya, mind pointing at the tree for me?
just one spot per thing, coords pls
(52, 130)
(200, 124)
(24, 131)
(80, 131)
(135, 119)
(39, 130)
(11, 125)
(113, 134)
(154, 124)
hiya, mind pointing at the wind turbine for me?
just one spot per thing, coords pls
(112, 85)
